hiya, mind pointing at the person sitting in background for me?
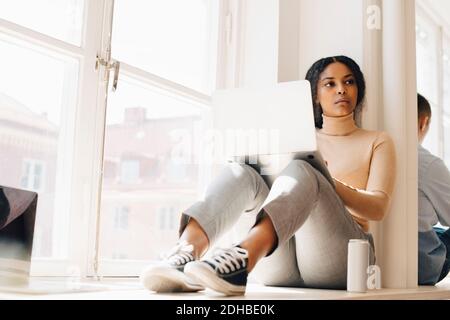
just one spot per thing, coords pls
(434, 206)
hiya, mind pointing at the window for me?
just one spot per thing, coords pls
(446, 98)
(162, 218)
(428, 79)
(172, 219)
(157, 115)
(433, 75)
(130, 171)
(49, 121)
(63, 18)
(182, 52)
(37, 89)
(121, 218)
(58, 137)
(33, 175)
(167, 218)
(154, 136)
(176, 172)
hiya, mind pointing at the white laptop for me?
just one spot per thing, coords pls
(267, 127)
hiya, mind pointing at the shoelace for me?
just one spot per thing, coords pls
(181, 253)
(228, 260)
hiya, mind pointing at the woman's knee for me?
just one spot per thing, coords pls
(244, 171)
(300, 164)
(237, 169)
(246, 175)
(302, 173)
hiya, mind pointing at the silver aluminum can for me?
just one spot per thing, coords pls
(357, 264)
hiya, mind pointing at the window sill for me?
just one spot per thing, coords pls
(130, 289)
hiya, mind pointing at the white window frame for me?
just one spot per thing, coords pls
(85, 156)
(231, 31)
(446, 44)
(443, 29)
(84, 181)
(111, 267)
(229, 74)
(430, 17)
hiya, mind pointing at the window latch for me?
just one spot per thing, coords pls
(109, 65)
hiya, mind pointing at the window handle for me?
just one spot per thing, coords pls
(109, 65)
(116, 65)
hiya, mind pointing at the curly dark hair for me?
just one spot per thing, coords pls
(313, 75)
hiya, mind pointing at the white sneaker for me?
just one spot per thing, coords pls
(169, 275)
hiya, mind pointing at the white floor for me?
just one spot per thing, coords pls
(130, 289)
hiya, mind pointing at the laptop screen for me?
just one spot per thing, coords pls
(17, 220)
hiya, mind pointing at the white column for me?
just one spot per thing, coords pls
(372, 64)
(288, 41)
(373, 72)
(399, 117)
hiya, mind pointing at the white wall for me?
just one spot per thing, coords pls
(268, 56)
(260, 35)
(329, 28)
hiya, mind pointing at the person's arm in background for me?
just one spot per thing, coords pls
(437, 190)
(373, 203)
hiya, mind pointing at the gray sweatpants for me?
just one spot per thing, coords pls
(311, 222)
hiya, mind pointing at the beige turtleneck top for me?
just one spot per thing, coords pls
(363, 164)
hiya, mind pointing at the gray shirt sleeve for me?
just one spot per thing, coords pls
(436, 186)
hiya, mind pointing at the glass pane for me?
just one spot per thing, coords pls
(61, 19)
(37, 95)
(427, 80)
(174, 39)
(446, 100)
(426, 46)
(150, 171)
